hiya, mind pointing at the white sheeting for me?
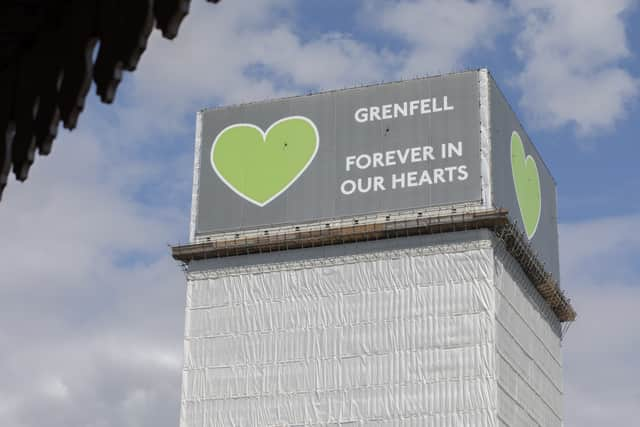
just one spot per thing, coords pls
(528, 350)
(399, 337)
(485, 138)
(196, 179)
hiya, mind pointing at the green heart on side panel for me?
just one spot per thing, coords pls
(259, 166)
(527, 184)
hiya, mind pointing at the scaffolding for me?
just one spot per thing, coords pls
(386, 226)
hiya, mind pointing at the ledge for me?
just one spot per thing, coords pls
(386, 227)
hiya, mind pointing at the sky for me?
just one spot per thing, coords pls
(91, 303)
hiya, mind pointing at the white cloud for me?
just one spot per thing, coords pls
(89, 291)
(440, 33)
(71, 217)
(209, 62)
(601, 275)
(615, 237)
(55, 388)
(572, 52)
(600, 356)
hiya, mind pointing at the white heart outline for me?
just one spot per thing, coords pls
(264, 140)
(515, 185)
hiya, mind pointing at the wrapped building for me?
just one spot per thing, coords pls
(343, 272)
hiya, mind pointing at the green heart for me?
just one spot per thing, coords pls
(259, 166)
(527, 183)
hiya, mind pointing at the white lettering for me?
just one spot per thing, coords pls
(424, 106)
(348, 187)
(412, 179)
(363, 161)
(396, 157)
(386, 111)
(427, 152)
(361, 186)
(362, 115)
(350, 162)
(413, 105)
(390, 158)
(377, 160)
(397, 181)
(403, 155)
(454, 149)
(402, 109)
(415, 155)
(434, 105)
(374, 113)
(378, 183)
(462, 173)
(447, 107)
(450, 170)
(425, 178)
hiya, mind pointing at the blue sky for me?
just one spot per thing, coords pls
(92, 306)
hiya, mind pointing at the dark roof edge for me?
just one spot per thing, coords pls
(328, 91)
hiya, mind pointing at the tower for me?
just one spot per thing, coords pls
(380, 256)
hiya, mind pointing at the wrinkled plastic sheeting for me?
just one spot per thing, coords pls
(392, 338)
(528, 346)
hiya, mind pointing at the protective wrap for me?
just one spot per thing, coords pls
(414, 331)
(528, 338)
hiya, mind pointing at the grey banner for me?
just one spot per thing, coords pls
(388, 147)
(544, 238)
